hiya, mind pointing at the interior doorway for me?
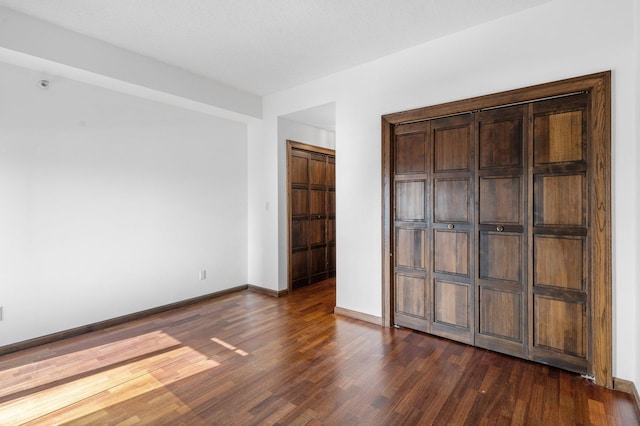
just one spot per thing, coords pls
(311, 214)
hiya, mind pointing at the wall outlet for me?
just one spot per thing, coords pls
(203, 274)
(0, 313)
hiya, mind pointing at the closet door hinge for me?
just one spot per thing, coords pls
(589, 377)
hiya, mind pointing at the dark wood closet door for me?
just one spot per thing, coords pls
(490, 229)
(311, 174)
(559, 306)
(497, 226)
(433, 227)
(501, 281)
(451, 222)
(411, 192)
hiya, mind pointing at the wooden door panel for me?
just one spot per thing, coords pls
(452, 148)
(451, 200)
(411, 154)
(500, 256)
(560, 233)
(298, 170)
(451, 228)
(299, 234)
(411, 298)
(299, 202)
(411, 248)
(318, 260)
(501, 314)
(451, 252)
(451, 304)
(409, 203)
(500, 200)
(560, 200)
(318, 232)
(318, 169)
(500, 142)
(318, 198)
(299, 265)
(560, 326)
(559, 138)
(410, 212)
(559, 261)
(501, 219)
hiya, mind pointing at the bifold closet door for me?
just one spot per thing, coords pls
(497, 222)
(433, 227)
(501, 281)
(452, 240)
(560, 232)
(411, 192)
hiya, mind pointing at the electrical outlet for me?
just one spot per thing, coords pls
(203, 274)
(0, 313)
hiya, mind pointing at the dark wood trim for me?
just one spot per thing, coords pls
(627, 386)
(387, 226)
(599, 87)
(600, 220)
(310, 148)
(305, 147)
(101, 325)
(268, 292)
(358, 315)
(526, 94)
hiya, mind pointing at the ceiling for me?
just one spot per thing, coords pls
(263, 46)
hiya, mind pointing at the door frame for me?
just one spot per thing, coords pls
(599, 188)
(291, 144)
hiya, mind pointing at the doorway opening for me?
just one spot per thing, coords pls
(311, 188)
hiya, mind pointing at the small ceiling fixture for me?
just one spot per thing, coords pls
(44, 84)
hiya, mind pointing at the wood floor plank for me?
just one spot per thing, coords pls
(250, 359)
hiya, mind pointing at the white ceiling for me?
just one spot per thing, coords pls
(262, 46)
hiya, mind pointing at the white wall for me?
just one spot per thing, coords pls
(560, 39)
(298, 132)
(637, 188)
(111, 204)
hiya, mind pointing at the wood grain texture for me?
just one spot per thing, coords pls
(249, 359)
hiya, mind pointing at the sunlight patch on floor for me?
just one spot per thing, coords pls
(47, 371)
(99, 391)
(229, 346)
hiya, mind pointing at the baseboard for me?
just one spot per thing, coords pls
(627, 386)
(54, 337)
(267, 291)
(357, 315)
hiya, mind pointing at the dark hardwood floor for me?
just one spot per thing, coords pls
(247, 358)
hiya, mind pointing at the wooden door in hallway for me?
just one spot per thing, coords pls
(312, 214)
